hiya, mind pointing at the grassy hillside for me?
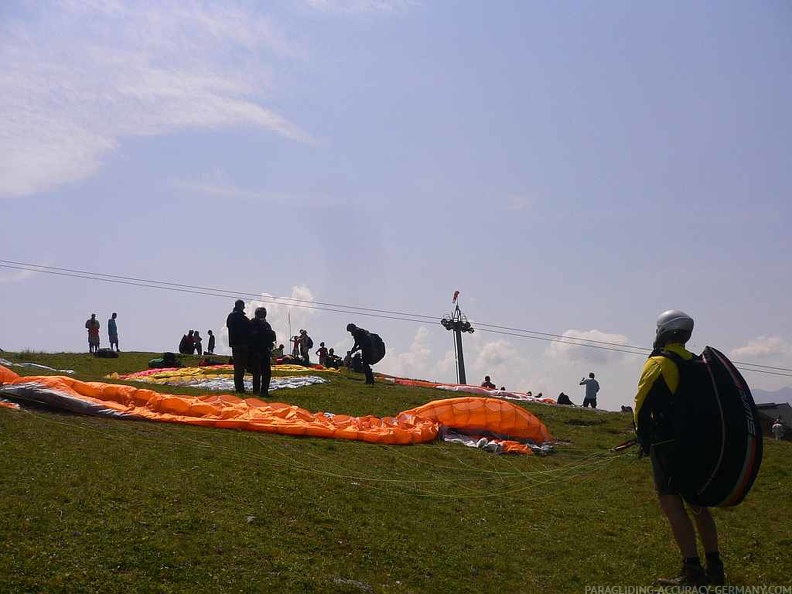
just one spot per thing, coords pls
(98, 505)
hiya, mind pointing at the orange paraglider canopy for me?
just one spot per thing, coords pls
(487, 416)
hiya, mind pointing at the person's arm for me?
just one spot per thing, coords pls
(652, 386)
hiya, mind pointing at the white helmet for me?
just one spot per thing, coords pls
(673, 320)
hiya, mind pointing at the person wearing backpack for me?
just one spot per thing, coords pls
(362, 344)
(262, 339)
(306, 344)
(655, 428)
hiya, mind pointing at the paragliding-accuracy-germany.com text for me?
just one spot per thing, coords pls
(765, 589)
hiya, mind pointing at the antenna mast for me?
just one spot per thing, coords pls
(458, 323)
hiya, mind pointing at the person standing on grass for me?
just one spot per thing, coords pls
(112, 332)
(262, 339)
(210, 346)
(592, 387)
(363, 344)
(659, 382)
(238, 326)
(322, 352)
(778, 429)
(306, 344)
(197, 343)
(92, 325)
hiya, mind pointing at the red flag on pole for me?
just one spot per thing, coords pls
(456, 294)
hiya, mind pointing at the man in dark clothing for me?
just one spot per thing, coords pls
(363, 344)
(262, 338)
(183, 343)
(238, 326)
(211, 346)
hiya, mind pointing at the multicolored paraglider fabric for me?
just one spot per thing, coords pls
(515, 429)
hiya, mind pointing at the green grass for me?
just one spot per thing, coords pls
(98, 505)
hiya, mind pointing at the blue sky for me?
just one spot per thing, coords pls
(572, 168)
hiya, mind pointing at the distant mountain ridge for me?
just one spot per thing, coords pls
(778, 396)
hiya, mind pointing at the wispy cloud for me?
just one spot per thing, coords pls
(217, 185)
(764, 348)
(360, 6)
(519, 203)
(416, 362)
(80, 76)
(567, 349)
(16, 276)
(283, 313)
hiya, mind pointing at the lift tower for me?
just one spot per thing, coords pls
(459, 324)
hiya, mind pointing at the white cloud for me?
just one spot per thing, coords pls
(519, 203)
(81, 76)
(359, 6)
(575, 347)
(495, 354)
(294, 312)
(415, 362)
(217, 185)
(764, 348)
(15, 277)
(283, 313)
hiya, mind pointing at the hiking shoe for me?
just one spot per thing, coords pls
(715, 574)
(692, 575)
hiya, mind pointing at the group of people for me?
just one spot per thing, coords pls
(252, 343)
(92, 325)
(327, 357)
(302, 344)
(592, 387)
(192, 343)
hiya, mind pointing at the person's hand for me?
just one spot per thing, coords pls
(643, 447)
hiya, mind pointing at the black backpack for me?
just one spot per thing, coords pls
(377, 348)
(262, 336)
(106, 354)
(171, 360)
(308, 342)
(717, 447)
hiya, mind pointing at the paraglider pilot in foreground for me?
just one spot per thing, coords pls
(363, 344)
(658, 383)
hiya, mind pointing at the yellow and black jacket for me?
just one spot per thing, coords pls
(654, 399)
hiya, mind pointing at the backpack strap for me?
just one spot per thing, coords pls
(675, 357)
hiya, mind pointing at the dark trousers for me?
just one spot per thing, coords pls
(261, 368)
(367, 366)
(368, 372)
(240, 355)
